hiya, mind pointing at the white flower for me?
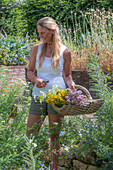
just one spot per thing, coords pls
(92, 10)
(88, 13)
(54, 89)
(43, 96)
(30, 141)
(34, 144)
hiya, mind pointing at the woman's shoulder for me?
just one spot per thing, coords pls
(67, 51)
(63, 47)
(67, 54)
(36, 47)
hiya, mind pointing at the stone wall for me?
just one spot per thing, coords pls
(76, 161)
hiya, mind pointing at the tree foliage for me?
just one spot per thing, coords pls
(25, 16)
(11, 17)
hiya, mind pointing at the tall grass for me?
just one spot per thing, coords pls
(95, 36)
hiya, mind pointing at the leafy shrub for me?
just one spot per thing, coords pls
(61, 11)
(13, 50)
(23, 18)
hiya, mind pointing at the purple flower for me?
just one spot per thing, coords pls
(98, 53)
(75, 96)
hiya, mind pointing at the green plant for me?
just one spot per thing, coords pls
(17, 150)
(18, 18)
(61, 11)
(95, 136)
(13, 50)
(4, 56)
(11, 18)
(31, 153)
(12, 121)
(105, 114)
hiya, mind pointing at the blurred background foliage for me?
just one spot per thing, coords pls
(18, 18)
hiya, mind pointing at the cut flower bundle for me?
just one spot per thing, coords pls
(71, 102)
(59, 97)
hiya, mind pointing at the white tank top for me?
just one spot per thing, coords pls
(46, 72)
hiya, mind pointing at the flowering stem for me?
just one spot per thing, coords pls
(32, 159)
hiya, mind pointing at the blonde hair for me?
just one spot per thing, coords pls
(50, 24)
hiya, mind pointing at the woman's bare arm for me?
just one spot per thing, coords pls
(31, 69)
(31, 65)
(67, 69)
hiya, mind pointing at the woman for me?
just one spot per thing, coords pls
(50, 58)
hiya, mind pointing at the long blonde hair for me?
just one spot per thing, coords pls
(49, 23)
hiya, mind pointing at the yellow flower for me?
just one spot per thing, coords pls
(63, 91)
(60, 99)
(108, 69)
(57, 98)
(49, 94)
(59, 94)
(40, 97)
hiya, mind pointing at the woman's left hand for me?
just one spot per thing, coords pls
(72, 85)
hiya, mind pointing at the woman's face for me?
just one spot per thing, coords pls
(45, 34)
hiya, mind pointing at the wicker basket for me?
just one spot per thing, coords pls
(73, 109)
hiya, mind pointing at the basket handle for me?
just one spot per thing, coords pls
(85, 90)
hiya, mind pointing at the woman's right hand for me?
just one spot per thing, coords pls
(40, 82)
